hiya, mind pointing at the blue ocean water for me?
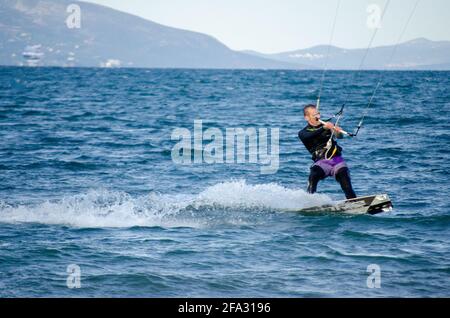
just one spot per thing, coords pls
(87, 178)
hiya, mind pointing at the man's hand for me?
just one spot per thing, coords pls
(338, 130)
(328, 126)
(331, 126)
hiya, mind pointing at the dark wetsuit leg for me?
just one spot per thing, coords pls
(343, 177)
(315, 176)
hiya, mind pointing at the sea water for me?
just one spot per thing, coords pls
(92, 202)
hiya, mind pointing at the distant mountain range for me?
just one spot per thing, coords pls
(419, 54)
(34, 32)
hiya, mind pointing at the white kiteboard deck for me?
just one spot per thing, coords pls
(373, 204)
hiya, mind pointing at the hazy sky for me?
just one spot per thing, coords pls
(271, 26)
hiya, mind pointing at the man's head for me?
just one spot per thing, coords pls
(311, 114)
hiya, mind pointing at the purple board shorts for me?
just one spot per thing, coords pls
(331, 167)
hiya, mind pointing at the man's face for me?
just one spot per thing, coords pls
(312, 116)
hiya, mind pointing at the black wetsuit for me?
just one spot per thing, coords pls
(315, 139)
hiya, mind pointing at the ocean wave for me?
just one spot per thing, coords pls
(228, 202)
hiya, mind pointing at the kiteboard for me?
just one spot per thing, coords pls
(373, 204)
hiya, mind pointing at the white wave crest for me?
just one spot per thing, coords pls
(273, 196)
(103, 208)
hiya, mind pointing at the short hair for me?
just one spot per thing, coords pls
(308, 107)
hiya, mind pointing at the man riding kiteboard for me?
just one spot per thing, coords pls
(318, 138)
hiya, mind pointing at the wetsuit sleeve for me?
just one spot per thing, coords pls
(306, 135)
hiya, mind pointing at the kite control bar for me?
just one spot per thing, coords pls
(339, 115)
(342, 131)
